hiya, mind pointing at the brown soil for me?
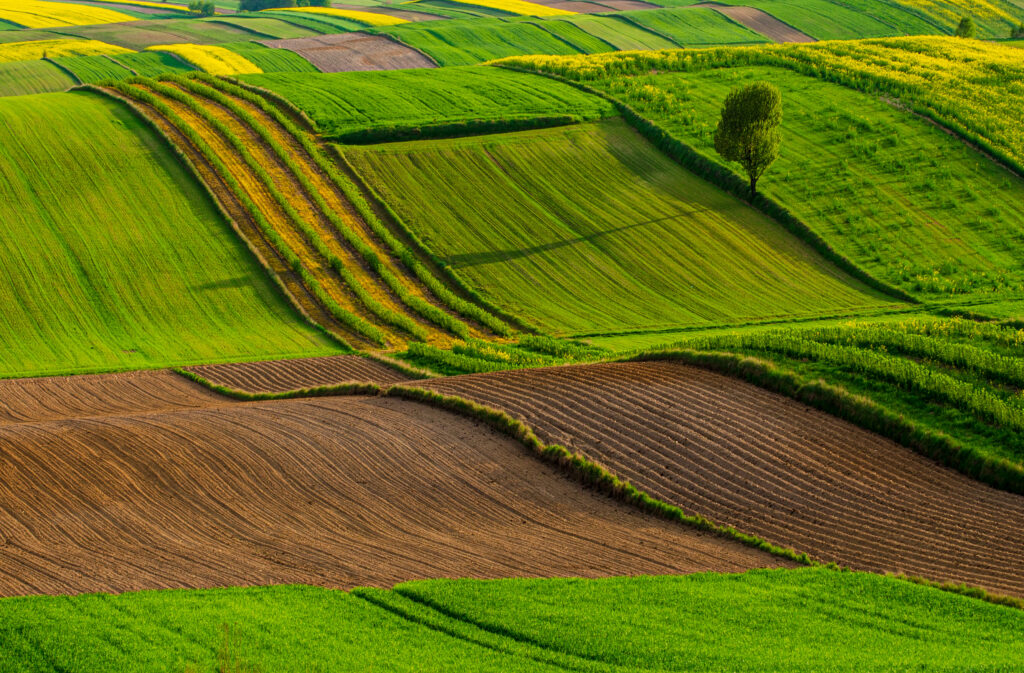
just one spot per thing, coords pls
(767, 465)
(335, 492)
(760, 22)
(354, 51)
(62, 397)
(282, 375)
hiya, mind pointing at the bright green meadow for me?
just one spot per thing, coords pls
(589, 229)
(778, 621)
(115, 257)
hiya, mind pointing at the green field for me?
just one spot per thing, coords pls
(619, 33)
(909, 203)
(470, 41)
(114, 256)
(94, 68)
(589, 229)
(691, 27)
(263, 27)
(340, 103)
(270, 60)
(27, 77)
(956, 377)
(781, 621)
(826, 20)
(153, 63)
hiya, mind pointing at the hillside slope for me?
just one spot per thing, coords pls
(113, 257)
(589, 229)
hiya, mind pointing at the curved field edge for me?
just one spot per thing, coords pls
(690, 159)
(791, 620)
(577, 466)
(130, 299)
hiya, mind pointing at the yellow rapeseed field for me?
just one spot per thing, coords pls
(517, 7)
(157, 5)
(39, 14)
(369, 18)
(214, 60)
(31, 51)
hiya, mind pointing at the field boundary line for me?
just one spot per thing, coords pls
(722, 177)
(593, 474)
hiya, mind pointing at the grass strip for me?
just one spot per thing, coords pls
(312, 284)
(388, 315)
(481, 311)
(355, 322)
(430, 312)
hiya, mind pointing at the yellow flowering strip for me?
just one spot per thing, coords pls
(31, 51)
(517, 7)
(154, 5)
(214, 60)
(369, 18)
(975, 88)
(39, 14)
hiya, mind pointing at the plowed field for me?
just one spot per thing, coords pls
(767, 465)
(282, 375)
(354, 51)
(336, 492)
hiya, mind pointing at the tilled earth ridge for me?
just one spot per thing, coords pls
(284, 375)
(770, 466)
(337, 492)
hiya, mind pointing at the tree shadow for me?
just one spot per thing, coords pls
(489, 257)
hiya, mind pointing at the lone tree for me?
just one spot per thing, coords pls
(748, 132)
(966, 27)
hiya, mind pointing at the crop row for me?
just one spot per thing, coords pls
(391, 242)
(204, 96)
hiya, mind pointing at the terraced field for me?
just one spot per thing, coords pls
(568, 238)
(84, 293)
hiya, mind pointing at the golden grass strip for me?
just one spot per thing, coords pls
(211, 59)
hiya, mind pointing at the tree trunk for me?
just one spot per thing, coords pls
(753, 188)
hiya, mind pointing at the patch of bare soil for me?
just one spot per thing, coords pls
(354, 51)
(283, 375)
(759, 22)
(337, 492)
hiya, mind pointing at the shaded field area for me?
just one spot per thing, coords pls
(288, 492)
(86, 293)
(589, 229)
(760, 462)
(779, 621)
